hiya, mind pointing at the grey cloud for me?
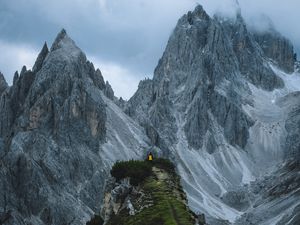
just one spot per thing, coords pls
(131, 34)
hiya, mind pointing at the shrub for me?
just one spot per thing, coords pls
(96, 220)
(137, 171)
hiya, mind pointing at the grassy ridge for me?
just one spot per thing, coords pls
(163, 185)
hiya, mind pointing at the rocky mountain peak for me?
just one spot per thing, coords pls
(16, 77)
(23, 70)
(200, 13)
(192, 17)
(198, 101)
(40, 59)
(59, 133)
(60, 36)
(65, 48)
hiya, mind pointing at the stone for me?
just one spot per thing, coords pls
(3, 84)
(57, 139)
(40, 59)
(277, 48)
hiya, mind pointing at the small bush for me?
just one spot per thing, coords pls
(96, 220)
(137, 171)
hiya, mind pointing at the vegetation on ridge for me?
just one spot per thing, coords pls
(158, 180)
(156, 195)
(137, 170)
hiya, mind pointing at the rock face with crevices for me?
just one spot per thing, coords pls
(293, 128)
(212, 102)
(59, 135)
(202, 55)
(223, 104)
(277, 48)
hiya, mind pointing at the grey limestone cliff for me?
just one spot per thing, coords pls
(212, 102)
(223, 104)
(202, 54)
(278, 48)
(59, 135)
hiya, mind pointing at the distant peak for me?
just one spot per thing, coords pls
(45, 47)
(63, 32)
(200, 12)
(60, 36)
(199, 8)
(66, 46)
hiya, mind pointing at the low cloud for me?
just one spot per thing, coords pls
(284, 15)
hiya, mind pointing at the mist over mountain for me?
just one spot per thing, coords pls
(223, 105)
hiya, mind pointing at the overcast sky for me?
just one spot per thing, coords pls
(124, 38)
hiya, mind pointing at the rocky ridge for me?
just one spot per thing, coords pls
(59, 135)
(213, 101)
(223, 105)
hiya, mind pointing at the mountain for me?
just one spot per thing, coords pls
(277, 48)
(60, 133)
(223, 105)
(217, 106)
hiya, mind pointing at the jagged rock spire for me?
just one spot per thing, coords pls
(60, 36)
(23, 70)
(3, 83)
(109, 91)
(66, 48)
(40, 59)
(16, 77)
(198, 13)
